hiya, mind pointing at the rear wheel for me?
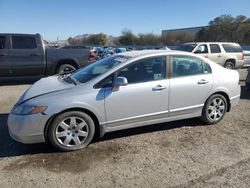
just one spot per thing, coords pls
(229, 65)
(64, 68)
(71, 131)
(214, 109)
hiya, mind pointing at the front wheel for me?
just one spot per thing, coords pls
(214, 109)
(71, 131)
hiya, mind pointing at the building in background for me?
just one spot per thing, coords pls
(192, 31)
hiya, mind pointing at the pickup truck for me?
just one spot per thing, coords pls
(25, 55)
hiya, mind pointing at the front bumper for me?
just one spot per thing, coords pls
(27, 129)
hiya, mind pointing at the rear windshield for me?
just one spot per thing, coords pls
(186, 47)
(232, 48)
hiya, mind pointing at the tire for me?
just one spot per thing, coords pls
(71, 131)
(214, 109)
(229, 65)
(64, 68)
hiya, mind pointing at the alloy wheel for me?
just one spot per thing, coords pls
(216, 109)
(72, 131)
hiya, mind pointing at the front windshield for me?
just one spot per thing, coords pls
(98, 68)
(186, 47)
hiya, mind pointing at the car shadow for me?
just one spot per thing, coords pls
(10, 148)
(245, 93)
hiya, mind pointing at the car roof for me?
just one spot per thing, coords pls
(139, 53)
(210, 43)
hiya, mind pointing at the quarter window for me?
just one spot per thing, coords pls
(215, 48)
(233, 48)
(144, 70)
(23, 42)
(188, 66)
(2, 43)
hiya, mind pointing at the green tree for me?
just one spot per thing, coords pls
(148, 39)
(127, 38)
(226, 28)
(177, 38)
(97, 39)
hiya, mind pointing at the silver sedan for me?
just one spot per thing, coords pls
(123, 91)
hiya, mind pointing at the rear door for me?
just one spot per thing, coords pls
(4, 68)
(26, 56)
(190, 83)
(216, 54)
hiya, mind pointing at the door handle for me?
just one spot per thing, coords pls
(159, 88)
(3, 54)
(219, 56)
(206, 56)
(203, 81)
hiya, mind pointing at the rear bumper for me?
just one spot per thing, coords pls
(234, 101)
(239, 63)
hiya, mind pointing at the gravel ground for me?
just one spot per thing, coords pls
(176, 154)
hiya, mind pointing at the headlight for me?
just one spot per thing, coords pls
(25, 110)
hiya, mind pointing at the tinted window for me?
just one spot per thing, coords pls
(215, 48)
(2, 43)
(187, 66)
(23, 42)
(232, 48)
(144, 70)
(202, 49)
(186, 47)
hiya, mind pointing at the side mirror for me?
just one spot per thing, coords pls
(120, 81)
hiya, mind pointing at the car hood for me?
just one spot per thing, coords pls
(45, 86)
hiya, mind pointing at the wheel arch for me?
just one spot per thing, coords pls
(224, 94)
(90, 113)
(233, 60)
(72, 62)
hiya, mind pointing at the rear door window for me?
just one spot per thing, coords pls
(189, 66)
(232, 48)
(215, 48)
(23, 42)
(2, 42)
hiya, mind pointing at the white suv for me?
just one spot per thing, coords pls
(229, 55)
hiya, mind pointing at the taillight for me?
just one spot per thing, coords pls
(92, 55)
(242, 56)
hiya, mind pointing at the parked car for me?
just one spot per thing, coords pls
(24, 55)
(229, 55)
(165, 48)
(120, 50)
(246, 58)
(123, 91)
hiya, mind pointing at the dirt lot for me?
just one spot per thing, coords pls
(179, 154)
